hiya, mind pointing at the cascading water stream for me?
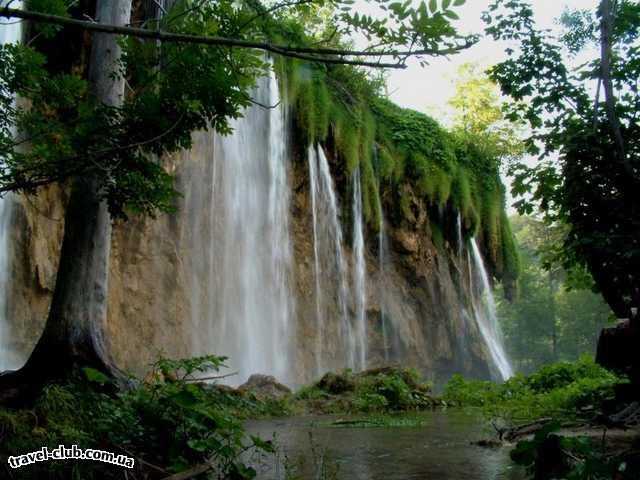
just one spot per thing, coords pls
(383, 258)
(312, 158)
(486, 317)
(10, 32)
(248, 304)
(359, 277)
(331, 281)
(459, 235)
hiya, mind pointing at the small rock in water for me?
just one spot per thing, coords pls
(488, 443)
(264, 386)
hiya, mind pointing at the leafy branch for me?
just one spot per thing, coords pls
(323, 55)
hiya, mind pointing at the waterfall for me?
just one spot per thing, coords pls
(10, 32)
(486, 317)
(248, 302)
(331, 284)
(383, 259)
(312, 158)
(359, 277)
(459, 235)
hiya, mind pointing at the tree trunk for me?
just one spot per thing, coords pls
(74, 333)
(606, 32)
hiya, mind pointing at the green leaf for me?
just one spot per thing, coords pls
(450, 14)
(264, 445)
(95, 376)
(433, 6)
(185, 399)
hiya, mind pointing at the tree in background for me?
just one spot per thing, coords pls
(556, 315)
(478, 114)
(584, 123)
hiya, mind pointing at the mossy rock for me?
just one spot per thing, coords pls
(409, 376)
(336, 383)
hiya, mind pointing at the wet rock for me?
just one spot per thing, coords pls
(408, 242)
(264, 386)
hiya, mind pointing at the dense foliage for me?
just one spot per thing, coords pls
(559, 390)
(69, 134)
(582, 110)
(556, 315)
(168, 424)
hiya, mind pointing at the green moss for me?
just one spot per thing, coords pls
(341, 106)
(386, 165)
(461, 193)
(389, 389)
(405, 203)
(437, 237)
(510, 257)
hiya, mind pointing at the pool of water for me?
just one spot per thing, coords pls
(440, 448)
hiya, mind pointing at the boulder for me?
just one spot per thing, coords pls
(264, 386)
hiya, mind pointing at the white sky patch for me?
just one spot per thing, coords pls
(429, 88)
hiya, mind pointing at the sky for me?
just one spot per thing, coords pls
(428, 88)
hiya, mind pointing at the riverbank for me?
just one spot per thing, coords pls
(384, 420)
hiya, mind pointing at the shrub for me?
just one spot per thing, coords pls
(172, 422)
(558, 390)
(388, 389)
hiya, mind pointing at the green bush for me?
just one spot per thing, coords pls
(558, 390)
(388, 389)
(172, 422)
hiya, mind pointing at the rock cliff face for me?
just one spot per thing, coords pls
(415, 310)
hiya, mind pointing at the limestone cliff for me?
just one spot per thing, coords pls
(157, 282)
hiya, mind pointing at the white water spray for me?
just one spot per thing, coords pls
(459, 234)
(10, 32)
(330, 267)
(359, 277)
(383, 259)
(486, 317)
(248, 303)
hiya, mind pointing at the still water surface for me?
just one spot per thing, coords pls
(440, 449)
